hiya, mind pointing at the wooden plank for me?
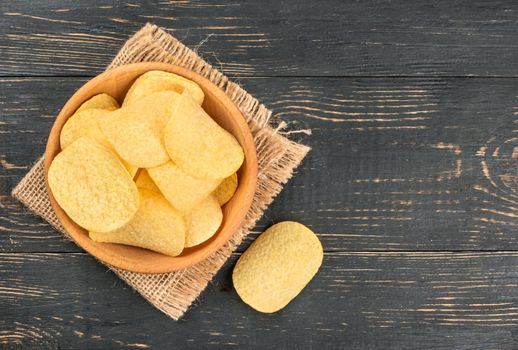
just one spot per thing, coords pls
(271, 38)
(358, 300)
(397, 164)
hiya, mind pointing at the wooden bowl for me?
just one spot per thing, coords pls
(218, 105)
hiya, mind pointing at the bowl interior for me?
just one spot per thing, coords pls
(116, 82)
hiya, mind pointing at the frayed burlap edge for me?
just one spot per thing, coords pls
(277, 156)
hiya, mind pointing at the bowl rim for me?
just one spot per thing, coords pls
(106, 254)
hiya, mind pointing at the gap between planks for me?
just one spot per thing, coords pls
(326, 252)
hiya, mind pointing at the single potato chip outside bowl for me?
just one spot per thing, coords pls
(220, 107)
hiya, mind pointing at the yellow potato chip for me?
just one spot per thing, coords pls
(155, 226)
(203, 221)
(198, 145)
(145, 181)
(132, 170)
(91, 185)
(85, 123)
(277, 266)
(154, 81)
(181, 189)
(226, 189)
(101, 101)
(136, 131)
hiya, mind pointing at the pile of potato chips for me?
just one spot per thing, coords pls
(152, 173)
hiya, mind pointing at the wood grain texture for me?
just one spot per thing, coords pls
(250, 38)
(430, 300)
(397, 164)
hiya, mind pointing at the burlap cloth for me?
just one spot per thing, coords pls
(277, 156)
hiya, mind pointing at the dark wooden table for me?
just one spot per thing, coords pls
(411, 184)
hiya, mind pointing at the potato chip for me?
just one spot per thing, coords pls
(85, 123)
(154, 81)
(132, 170)
(182, 190)
(198, 145)
(136, 131)
(226, 189)
(277, 266)
(145, 181)
(203, 221)
(101, 101)
(92, 186)
(155, 226)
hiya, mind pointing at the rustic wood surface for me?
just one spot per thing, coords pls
(411, 184)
